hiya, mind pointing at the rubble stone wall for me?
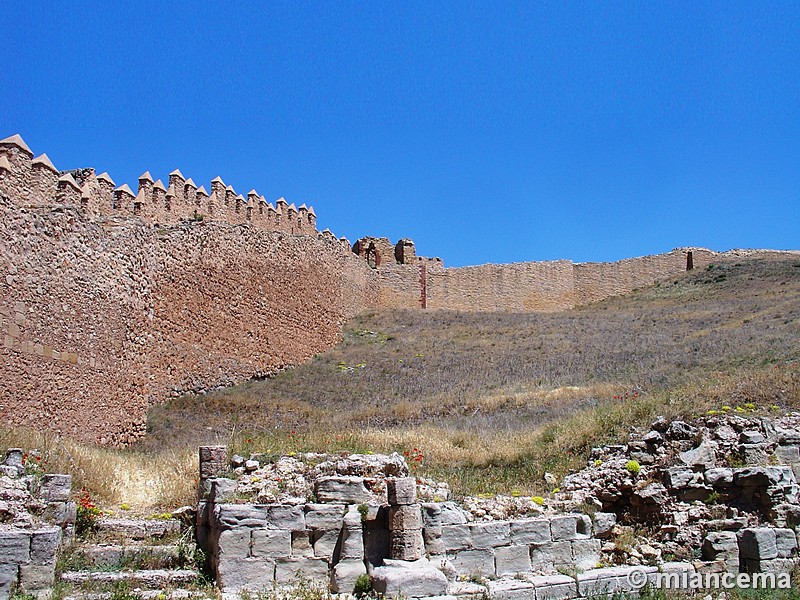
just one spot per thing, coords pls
(103, 312)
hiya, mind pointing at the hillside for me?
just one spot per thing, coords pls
(520, 392)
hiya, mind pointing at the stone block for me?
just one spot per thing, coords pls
(473, 562)
(403, 517)
(554, 587)
(401, 490)
(55, 487)
(603, 522)
(324, 543)
(431, 514)
(754, 454)
(234, 543)
(456, 537)
(351, 544)
(530, 531)
(491, 534)
(34, 578)
(406, 545)
(60, 513)
(301, 544)
(788, 455)
(237, 574)
(609, 581)
(510, 560)
(585, 554)
(9, 574)
(418, 579)
(44, 544)
(564, 528)
(344, 575)
(220, 489)
(324, 516)
(452, 514)
(719, 478)
(213, 460)
(721, 545)
(342, 490)
(239, 515)
(434, 547)
(282, 516)
(511, 589)
(786, 543)
(271, 543)
(775, 565)
(546, 557)
(681, 477)
(757, 543)
(15, 546)
(14, 457)
(702, 457)
(293, 570)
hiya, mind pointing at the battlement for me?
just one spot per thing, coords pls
(35, 182)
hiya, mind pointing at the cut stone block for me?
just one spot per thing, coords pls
(603, 522)
(55, 488)
(293, 570)
(33, 578)
(344, 575)
(405, 517)
(324, 543)
(510, 560)
(554, 587)
(757, 543)
(431, 514)
(213, 460)
(611, 580)
(418, 579)
(530, 531)
(281, 516)
(473, 562)
(44, 544)
(253, 574)
(491, 534)
(456, 537)
(401, 490)
(546, 557)
(234, 543)
(352, 544)
(585, 554)
(786, 543)
(301, 544)
(511, 589)
(342, 490)
(324, 516)
(564, 528)
(271, 543)
(239, 515)
(15, 547)
(721, 477)
(406, 545)
(221, 489)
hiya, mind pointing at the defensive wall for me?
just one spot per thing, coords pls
(112, 299)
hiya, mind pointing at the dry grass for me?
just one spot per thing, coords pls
(492, 399)
(145, 481)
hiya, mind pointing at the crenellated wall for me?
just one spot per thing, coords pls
(110, 301)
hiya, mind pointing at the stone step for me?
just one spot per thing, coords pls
(138, 529)
(128, 556)
(146, 578)
(175, 594)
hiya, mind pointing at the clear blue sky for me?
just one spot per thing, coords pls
(486, 132)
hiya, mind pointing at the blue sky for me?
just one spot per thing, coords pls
(486, 132)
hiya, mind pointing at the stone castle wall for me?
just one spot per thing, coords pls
(111, 300)
(105, 308)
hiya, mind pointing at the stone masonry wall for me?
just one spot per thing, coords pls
(104, 310)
